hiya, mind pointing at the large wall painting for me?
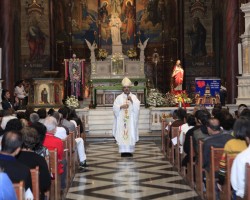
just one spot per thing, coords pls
(85, 20)
(125, 10)
(149, 19)
(35, 39)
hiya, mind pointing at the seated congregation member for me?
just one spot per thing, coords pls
(238, 171)
(28, 157)
(202, 132)
(60, 130)
(51, 111)
(181, 114)
(233, 147)
(42, 113)
(74, 118)
(20, 92)
(65, 122)
(189, 134)
(8, 115)
(61, 133)
(7, 189)
(216, 139)
(190, 123)
(227, 123)
(52, 142)
(40, 149)
(11, 146)
(6, 101)
(34, 117)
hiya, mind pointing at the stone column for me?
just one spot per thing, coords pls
(7, 42)
(244, 80)
(232, 36)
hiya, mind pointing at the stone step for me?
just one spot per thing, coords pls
(101, 121)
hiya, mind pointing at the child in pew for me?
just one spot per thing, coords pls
(239, 164)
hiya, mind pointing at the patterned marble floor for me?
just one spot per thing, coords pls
(145, 176)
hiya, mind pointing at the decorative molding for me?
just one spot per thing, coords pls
(197, 6)
(34, 7)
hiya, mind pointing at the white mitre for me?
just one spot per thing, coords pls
(126, 82)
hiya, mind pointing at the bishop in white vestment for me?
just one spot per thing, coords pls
(126, 115)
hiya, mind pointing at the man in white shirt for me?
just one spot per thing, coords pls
(238, 169)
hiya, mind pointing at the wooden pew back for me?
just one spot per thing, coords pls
(35, 183)
(175, 149)
(226, 188)
(190, 165)
(199, 170)
(215, 157)
(20, 190)
(247, 181)
(55, 188)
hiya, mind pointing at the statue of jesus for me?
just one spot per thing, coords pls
(115, 26)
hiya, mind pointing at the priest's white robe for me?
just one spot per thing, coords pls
(126, 131)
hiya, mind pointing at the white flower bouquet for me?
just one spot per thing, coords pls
(72, 101)
(156, 99)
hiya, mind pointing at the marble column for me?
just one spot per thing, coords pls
(244, 80)
(7, 9)
(232, 37)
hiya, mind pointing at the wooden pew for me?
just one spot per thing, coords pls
(226, 188)
(163, 129)
(55, 188)
(199, 170)
(190, 165)
(35, 183)
(66, 157)
(72, 154)
(20, 190)
(215, 157)
(175, 149)
(247, 181)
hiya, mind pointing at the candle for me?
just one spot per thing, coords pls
(0, 63)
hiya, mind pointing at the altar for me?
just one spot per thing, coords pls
(107, 72)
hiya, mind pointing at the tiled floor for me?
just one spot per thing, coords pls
(145, 176)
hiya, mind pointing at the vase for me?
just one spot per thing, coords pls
(180, 104)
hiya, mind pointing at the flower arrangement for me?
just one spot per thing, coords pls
(182, 96)
(102, 53)
(170, 99)
(72, 101)
(155, 98)
(131, 53)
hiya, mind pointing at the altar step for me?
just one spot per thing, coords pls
(101, 121)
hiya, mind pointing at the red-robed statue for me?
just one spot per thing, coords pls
(177, 76)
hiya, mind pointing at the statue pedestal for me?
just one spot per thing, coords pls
(116, 48)
(243, 90)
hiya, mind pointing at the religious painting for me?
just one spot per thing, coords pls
(125, 11)
(84, 20)
(34, 38)
(43, 93)
(148, 20)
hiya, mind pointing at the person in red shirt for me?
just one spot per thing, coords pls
(51, 142)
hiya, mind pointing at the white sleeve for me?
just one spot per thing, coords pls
(238, 176)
